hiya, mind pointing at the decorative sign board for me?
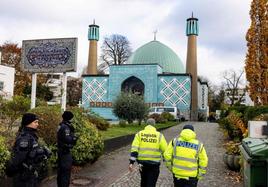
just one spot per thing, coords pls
(204, 96)
(255, 129)
(49, 55)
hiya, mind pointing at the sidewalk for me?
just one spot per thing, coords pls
(111, 169)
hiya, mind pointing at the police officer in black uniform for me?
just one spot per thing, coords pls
(27, 154)
(66, 140)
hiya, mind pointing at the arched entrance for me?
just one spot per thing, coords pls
(134, 85)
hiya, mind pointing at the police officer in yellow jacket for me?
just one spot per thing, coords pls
(186, 157)
(147, 148)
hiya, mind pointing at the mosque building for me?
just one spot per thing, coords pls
(154, 71)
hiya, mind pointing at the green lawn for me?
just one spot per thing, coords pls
(116, 130)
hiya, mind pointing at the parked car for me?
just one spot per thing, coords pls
(172, 110)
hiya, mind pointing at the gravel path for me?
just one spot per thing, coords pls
(111, 169)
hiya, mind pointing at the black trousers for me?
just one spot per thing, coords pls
(64, 169)
(21, 180)
(192, 182)
(149, 175)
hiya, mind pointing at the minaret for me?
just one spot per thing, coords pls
(191, 63)
(93, 37)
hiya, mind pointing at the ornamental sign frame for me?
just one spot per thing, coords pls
(57, 55)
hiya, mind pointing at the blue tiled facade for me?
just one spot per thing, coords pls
(175, 90)
(172, 90)
(94, 88)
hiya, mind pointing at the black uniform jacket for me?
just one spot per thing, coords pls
(65, 136)
(24, 151)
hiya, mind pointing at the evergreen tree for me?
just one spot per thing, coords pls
(257, 56)
(129, 106)
(42, 92)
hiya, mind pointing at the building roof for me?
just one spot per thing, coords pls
(156, 52)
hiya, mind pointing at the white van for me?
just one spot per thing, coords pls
(160, 109)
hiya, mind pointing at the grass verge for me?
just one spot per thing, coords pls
(116, 130)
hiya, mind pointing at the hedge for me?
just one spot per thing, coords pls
(252, 112)
(89, 145)
(4, 155)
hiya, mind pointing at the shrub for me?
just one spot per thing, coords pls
(167, 116)
(223, 114)
(224, 123)
(49, 119)
(122, 123)
(262, 117)
(234, 126)
(252, 112)
(158, 118)
(4, 155)
(40, 102)
(42, 92)
(94, 118)
(232, 148)
(13, 109)
(89, 145)
(99, 122)
(240, 109)
(129, 106)
(235, 119)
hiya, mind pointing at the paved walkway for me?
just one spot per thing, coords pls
(111, 169)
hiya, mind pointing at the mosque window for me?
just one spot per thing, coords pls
(93, 31)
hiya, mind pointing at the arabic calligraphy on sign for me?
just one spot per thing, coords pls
(48, 55)
(110, 104)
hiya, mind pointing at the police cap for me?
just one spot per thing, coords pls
(28, 118)
(188, 127)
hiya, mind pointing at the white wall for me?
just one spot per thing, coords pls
(248, 101)
(245, 100)
(7, 76)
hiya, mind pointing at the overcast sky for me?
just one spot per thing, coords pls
(221, 41)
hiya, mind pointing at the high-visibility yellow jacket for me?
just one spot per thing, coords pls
(185, 156)
(148, 145)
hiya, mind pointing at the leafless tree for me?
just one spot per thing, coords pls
(234, 88)
(115, 50)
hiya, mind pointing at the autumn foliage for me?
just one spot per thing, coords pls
(257, 55)
(11, 56)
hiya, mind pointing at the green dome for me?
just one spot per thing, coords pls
(155, 52)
